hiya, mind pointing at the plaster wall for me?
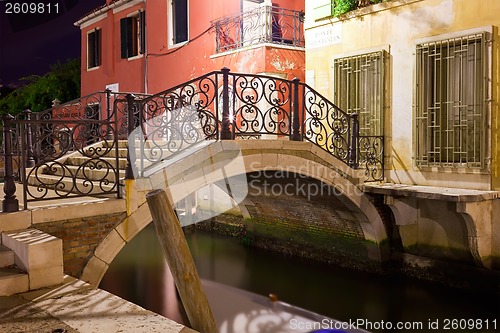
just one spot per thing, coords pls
(396, 27)
(165, 65)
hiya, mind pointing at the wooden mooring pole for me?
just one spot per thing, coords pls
(178, 255)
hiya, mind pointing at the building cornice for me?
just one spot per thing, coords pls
(101, 12)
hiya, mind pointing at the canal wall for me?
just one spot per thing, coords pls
(80, 237)
(291, 237)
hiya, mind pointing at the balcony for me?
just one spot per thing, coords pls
(265, 24)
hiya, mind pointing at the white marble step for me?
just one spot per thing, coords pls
(6, 256)
(12, 281)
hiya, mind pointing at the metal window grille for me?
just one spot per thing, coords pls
(451, 101)
(359, 88)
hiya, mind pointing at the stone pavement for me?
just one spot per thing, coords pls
(75, 306)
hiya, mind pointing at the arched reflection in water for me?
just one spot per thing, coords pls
(139, 274)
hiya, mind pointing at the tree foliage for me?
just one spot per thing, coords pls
(61, 82)
(344, 6)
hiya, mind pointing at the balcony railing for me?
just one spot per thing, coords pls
(265, 24)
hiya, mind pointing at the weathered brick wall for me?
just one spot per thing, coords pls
(80, 238)
(300, 216)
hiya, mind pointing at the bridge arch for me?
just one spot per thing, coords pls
(218, 160)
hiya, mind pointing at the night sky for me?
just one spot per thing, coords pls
(30, 43)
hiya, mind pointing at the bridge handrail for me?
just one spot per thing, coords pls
(237, 105)
(217, 105)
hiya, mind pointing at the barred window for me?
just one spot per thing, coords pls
(450, 102)
(359, 88)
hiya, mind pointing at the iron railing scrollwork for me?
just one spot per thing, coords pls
(173, 120)
(264, 24)
(65, 151)
(225, 105)
(76, 149)
(371, 156)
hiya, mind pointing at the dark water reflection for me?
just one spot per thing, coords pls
(139, 275)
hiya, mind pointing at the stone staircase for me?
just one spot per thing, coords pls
(87, 174)
(93, 173)
(29, 259)
(12, 279)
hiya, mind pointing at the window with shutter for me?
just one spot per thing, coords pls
(322, 9)
(133, 35)
(178, 17)
(94, 48)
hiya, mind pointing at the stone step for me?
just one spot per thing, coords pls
(79, 160)
(122, 153)
(6, 256)
(66, 184)
(121, 143)
(96, 170)
(38, 254)
(13, 280)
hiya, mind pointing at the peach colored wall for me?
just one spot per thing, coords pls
(128, 73)
(166, 65)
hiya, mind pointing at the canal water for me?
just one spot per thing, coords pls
(140, 275)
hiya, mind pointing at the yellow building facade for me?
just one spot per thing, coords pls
(425, 74)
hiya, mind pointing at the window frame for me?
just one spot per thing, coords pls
(382, 82)
(133, 35)
(96, 49)
(172, 42)
(423, 147)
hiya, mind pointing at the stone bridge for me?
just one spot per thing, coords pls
(93, 232)
(84, 185)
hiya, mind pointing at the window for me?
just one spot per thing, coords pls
(359, 88)
(179, 21)
(94, 48)
(450, 102)
(133, 35)
(322, 9)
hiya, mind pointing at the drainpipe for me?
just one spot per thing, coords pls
(145, 53)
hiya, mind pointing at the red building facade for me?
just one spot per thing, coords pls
(148, 46)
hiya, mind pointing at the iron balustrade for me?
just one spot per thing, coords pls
(225, 105)
(74, 149)
(83, 129)
(264, 24)
(371, 156)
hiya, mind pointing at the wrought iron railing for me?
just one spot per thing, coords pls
(225, 105)
(75, 149)
(43, 143)
(264, 24)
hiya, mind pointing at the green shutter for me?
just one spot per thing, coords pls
(97, 47)
(124, 37)
(142, 25)
(324, 8)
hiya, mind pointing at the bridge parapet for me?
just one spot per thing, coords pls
(220, 105)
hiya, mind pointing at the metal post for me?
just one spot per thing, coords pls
(108, 103)
(129, 171)
(295, 109)
(353, 147)
(30, 159)
(110, 132)
(9, 203)
(225, 131)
